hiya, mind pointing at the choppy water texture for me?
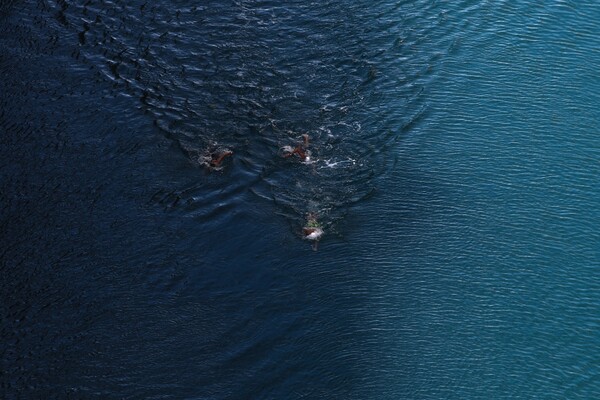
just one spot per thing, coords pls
(454, 166)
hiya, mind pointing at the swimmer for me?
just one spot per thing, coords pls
(217, 158)
(300, 150)
(313, 230)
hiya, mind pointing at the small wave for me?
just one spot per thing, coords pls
(340, 163)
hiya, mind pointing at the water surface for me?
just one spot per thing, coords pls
(454, 166)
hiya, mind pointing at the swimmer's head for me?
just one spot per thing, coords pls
(313, 233)
(306, 158)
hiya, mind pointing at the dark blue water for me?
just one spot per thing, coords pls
(455, 169)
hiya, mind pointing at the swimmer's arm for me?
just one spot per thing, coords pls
(306, 138)
(220, 159)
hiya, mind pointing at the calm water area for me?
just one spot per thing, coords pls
(454, 169)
